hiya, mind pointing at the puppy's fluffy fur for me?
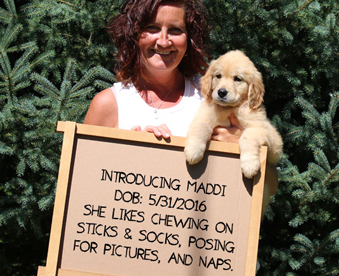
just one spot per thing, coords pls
(232, 84)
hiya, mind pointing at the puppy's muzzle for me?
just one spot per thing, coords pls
(222, 92)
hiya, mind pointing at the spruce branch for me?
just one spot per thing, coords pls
(5, 16)
(317, 171)
(69, 74)
(321, 158)
(5, 150)
(20, 64)
(10, 6)
(20, 169)
(11, 13)
(332, 177)
(65, 2)
(332, 237)
(20, 47)
(295, 133)
(289, 15)
(309, 112)
(81, 92)
(45, 86)
(5, 63)
(10, 35)
(46, 202)
(333, 105)
(44, 58)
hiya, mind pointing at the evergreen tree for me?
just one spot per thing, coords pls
(295, 46)
(40, 84)
(55, 55)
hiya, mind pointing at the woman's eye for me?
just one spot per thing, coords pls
(175, 31)
(152, 28)
(237, 79)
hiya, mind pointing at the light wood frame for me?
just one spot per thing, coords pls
(70, 129)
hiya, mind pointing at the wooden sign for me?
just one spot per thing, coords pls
(129, 204)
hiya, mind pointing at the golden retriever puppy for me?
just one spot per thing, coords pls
(232, 84)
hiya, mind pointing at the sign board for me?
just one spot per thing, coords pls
(128, 204)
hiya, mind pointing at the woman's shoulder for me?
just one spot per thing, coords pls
(103, 109)
(196, 82)
(194, 88)
(103, 98)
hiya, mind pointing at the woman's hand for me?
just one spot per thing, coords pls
(161, 131)
(228, 134)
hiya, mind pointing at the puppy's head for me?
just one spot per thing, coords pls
(233, 79)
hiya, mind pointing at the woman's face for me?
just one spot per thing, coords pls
(163, 43)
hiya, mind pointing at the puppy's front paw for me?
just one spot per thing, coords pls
(194, 152)
(250, 165)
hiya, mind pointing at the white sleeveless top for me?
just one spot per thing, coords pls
(133, 111)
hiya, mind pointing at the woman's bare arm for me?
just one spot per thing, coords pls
(103, 110)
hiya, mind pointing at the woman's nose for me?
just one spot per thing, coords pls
(164, 39)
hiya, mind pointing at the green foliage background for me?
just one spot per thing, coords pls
(55, 55)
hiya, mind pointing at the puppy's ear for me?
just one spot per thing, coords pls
(206, 83)
(256, 91)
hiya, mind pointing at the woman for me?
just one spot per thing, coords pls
(161, 49)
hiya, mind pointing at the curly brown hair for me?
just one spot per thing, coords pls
(126, 28)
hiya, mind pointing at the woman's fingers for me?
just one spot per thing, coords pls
(234, 121)
(228, 134)
(158, 131)
(136, 128)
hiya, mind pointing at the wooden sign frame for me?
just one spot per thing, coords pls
(71, 129)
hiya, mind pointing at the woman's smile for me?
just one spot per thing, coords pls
(163, 53)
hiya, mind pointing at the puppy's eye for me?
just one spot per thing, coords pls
(218, 76)
(236, 78)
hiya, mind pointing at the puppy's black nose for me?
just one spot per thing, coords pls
(222, 92)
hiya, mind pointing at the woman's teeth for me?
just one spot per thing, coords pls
(162, 52)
